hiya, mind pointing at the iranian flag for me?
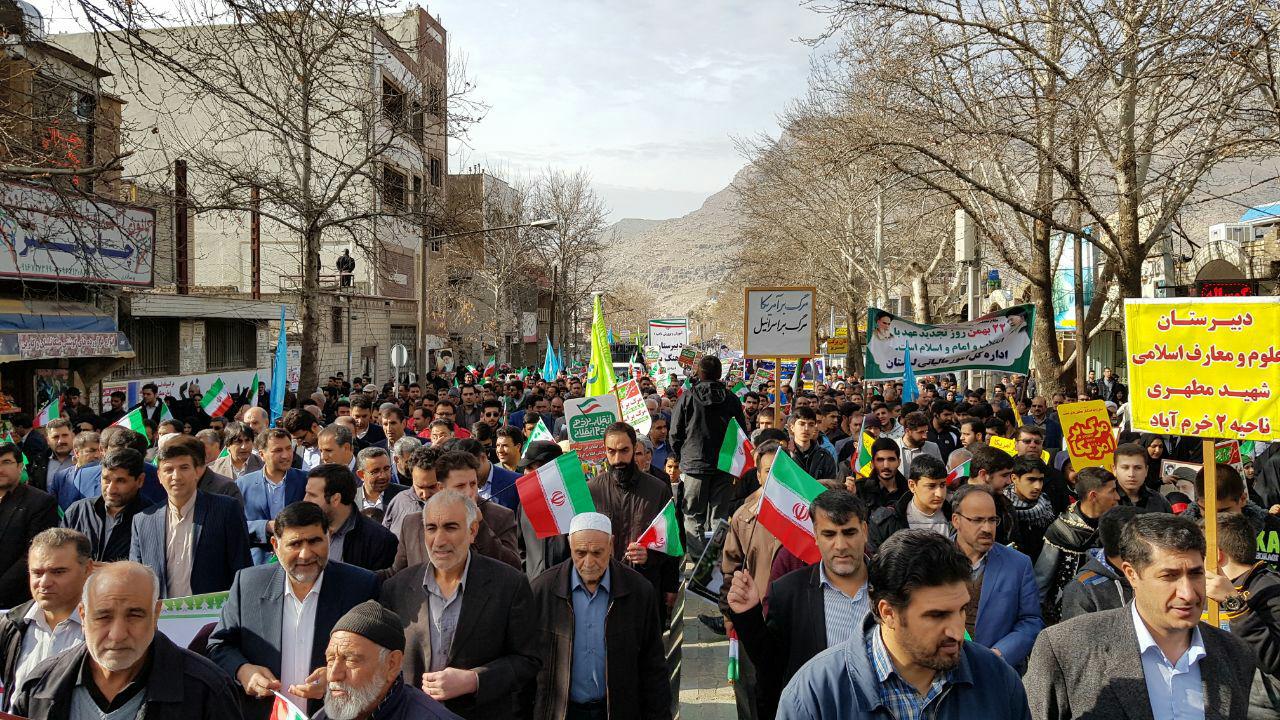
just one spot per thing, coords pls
(784, 507)
(285, 710)
(52, 411)
(217, 401)
(133, 421)
(252, 396)
(686, 385)
(957, 472)
(663, 534)
(740, 389)
(491, 366)
(539, 433)
(553, 494)
(735, 451)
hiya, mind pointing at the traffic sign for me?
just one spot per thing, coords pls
(399, 356)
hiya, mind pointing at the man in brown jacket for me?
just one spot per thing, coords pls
(599, 637)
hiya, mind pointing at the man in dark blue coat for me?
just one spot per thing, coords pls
(278, 617)
(267, 491)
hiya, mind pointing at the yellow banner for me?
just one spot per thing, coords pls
(1087, 434)
(1206, 367)
(837, 345)
(1009, 445)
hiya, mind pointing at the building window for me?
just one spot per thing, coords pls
(394, 191)
(416, 127)
(435, 100)
(419, 202)
(155, 344)
(335, 323)
(230, 344)
(393, 103)
(436, 179)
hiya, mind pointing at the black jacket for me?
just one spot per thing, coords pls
(1259, 626)
(181, 686)
(875, 496)
(1148, 500)
(368, 545)
(794, 631)
(1098, 586)
(816, 461)
(13, 626)
(1066, 544)
(635, 664)
(88, 515)
(698, 424)
(24, 513)
(886, 521)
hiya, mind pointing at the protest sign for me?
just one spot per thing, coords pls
(182, 618)
(1001, 341)
(668, 335)
(1227, 452)
(1086, 431)
(779, 323)
(688, 357)
(1208, 367)
(586, 420)
(1008, 445)
(634, 412)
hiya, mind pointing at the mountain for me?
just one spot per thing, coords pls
(680, 259)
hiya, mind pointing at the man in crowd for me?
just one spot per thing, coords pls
(887, 485)
(476, 669)
(1004, 612)
(354, 538)
(239, 458)
(60, 436)
(367, 434)
(115, 409)
(1032, 511)
(915, 439)
(924, 506)
(699, 422)
(1101, 584)
(497, 535)
(1131, 480)
(303, 428)
(25, 512)
(447, 411)
(497, 485)
(267, 491)
(363, 671)
(811, 609)
(210, 482)
(806, 449)
(375, 491)
(335, 445)
(600, 639)
(910, 653)
(423, 484)
(195, 542)
(125, 669)
(107, 520)
(509, 445)
(1071, 536)
(277, 618)
(257, 419)
(151, 405)
(658, 428)
(48, 624)
(1155, 652)
(1040, 415)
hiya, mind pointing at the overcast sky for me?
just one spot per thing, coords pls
(647, 96)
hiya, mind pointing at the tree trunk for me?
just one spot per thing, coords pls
(920, 294)
(309, 313)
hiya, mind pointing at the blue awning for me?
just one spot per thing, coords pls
(1262, 212)
(38, 330)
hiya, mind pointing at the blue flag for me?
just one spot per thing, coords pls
(279, 374)
(910, 389)
(549, 362)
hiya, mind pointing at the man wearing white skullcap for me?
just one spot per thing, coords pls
(588, 674)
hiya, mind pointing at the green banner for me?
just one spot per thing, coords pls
(1000, 341)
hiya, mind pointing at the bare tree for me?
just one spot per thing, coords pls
(572, 250)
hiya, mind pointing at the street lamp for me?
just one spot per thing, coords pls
(541, 224)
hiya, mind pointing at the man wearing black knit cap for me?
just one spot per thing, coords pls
(363, 662)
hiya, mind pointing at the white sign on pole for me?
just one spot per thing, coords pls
(399, 356)
(669, 335)
(779, 323)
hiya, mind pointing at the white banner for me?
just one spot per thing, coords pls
(669, 335)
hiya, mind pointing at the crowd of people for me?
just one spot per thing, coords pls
(378, 564)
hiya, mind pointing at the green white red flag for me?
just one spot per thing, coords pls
(663, 534)
(539, 433)
(735, 451)
(553, 494)
(252, 395)
(282, 709)
(957, 472)
(491, 366)
(133, 420)
(217, 400)
(784, 507)
(52, 411)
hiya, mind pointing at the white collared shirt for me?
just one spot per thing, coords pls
(310, 457)
(486, 490)
(40, 642)
(1174, 689)
(179, 553)
(297, 632)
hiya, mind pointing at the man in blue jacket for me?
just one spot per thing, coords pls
(911, 658)
(267, 491)
(1005, 616)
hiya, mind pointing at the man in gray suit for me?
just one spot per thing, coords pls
(1151, 659)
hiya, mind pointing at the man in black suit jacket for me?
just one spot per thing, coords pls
(203, 534)
(24, 513)
(470, 640)
(797, 627)
(354, 538)
(123, 474)
(261, 639)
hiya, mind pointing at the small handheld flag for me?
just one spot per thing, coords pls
(736, 451)
(784, 507)
(217, 401)
(553, 494)
(663, 534)
(957, 472)
(282, 709)
(52, 411)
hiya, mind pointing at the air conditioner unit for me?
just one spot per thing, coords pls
(1230, 232)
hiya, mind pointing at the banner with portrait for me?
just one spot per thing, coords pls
(1000, 341)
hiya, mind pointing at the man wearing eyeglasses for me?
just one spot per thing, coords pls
(1004, 607)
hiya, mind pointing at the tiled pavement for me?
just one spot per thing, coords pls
(704, 692)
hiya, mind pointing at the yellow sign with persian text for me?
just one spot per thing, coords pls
(1205, 367)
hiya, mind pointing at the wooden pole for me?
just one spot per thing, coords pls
(1210, 504)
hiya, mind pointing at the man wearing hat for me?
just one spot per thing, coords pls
(600, 639)
(362, 664)
(539, 553)
(469, 619)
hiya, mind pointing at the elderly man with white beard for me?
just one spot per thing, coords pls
(362, 664)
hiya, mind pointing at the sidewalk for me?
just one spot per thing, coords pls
(704, 692)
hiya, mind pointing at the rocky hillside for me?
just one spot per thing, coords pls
(680, 258)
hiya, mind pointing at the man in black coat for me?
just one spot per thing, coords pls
(797, 626)
(24, 513)
(699, 421)
(354, 538)
(107, 520)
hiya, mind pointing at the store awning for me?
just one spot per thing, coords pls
(42, 330)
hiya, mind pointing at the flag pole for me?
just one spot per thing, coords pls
(1211, 517)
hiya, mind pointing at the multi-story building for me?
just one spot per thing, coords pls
(235, 268)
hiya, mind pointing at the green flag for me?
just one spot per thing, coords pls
(539, 433)
(600, 378)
